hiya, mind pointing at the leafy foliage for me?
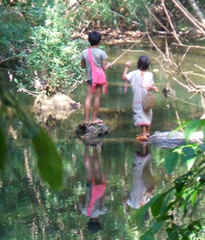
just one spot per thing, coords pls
(177, 210)
(49, 161)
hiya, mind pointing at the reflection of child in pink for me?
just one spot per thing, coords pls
(93, 204)
(97, 192)
(143, 181)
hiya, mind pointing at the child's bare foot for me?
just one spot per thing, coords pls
(86, 122)
(141, 138)
(97, 121)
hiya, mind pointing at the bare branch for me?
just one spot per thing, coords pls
(197, 10)
(170, 22)
(188, 16)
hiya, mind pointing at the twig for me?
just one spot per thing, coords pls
(170, 22)
(202, 69)
(8, 59)
(113, 62)
(187, 15)
(187, 46)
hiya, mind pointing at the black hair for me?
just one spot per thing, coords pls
(93, 227)
(143, 63)
(94, 38)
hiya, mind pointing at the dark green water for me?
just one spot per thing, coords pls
(126, 171)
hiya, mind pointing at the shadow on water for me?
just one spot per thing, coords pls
(104, 182)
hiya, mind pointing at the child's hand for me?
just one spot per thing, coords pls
(155, 89)
(109, 65)
(128, 64)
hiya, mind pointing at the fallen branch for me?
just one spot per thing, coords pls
(188, 16)
(170, 22)
(8, 59)
(187, 46)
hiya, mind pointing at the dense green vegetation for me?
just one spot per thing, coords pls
(39, 40)
(177, 210)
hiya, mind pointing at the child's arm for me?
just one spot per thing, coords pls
(82, 64)
(152, 87)
(127, 66)
(106, 66)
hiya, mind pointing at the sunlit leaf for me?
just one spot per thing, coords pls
(3, 151)
(49, 161)
(171, 162)
(194, 196)
(192, 127)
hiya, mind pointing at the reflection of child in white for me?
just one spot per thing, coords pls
(143, 180)
(141, 81)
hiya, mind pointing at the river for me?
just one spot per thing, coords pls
(125, 173)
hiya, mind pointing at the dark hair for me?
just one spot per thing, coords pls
(93, 227)
(94, 38)
(143, 63)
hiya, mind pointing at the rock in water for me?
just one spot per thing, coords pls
(173, 139)
(86, 131)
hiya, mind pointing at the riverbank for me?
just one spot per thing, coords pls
(110, 36)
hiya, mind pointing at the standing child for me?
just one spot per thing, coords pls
(99, 57)
(141, 81)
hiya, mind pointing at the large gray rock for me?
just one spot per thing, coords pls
(173, 139)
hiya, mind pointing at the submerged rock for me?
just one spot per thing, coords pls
(173, 139)
(86, 131)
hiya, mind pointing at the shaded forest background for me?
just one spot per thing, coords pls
(40, 41)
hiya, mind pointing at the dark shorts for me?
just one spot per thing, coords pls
(89, 82)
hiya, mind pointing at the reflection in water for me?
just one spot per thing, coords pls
(93, 203)
(143, 180)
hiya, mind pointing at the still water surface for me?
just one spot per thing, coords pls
(123, 174)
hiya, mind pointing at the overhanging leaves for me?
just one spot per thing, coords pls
(49, 161)
(171, 162)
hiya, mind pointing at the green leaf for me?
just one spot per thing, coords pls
(147, 236)
(49, 161)
(191, 127)
(203, 129)
(140, 214)
(187, 154)
(157, 226)
(157, 203)
(202, 147)
(194, 196)
(171, 162)
(3, 151)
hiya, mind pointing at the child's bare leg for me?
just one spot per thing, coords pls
(88, 100)
(88, 166)
(96, 103)
(148, 130)
(144, 130)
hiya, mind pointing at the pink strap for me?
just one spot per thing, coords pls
(90, 58)
(93, 66)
